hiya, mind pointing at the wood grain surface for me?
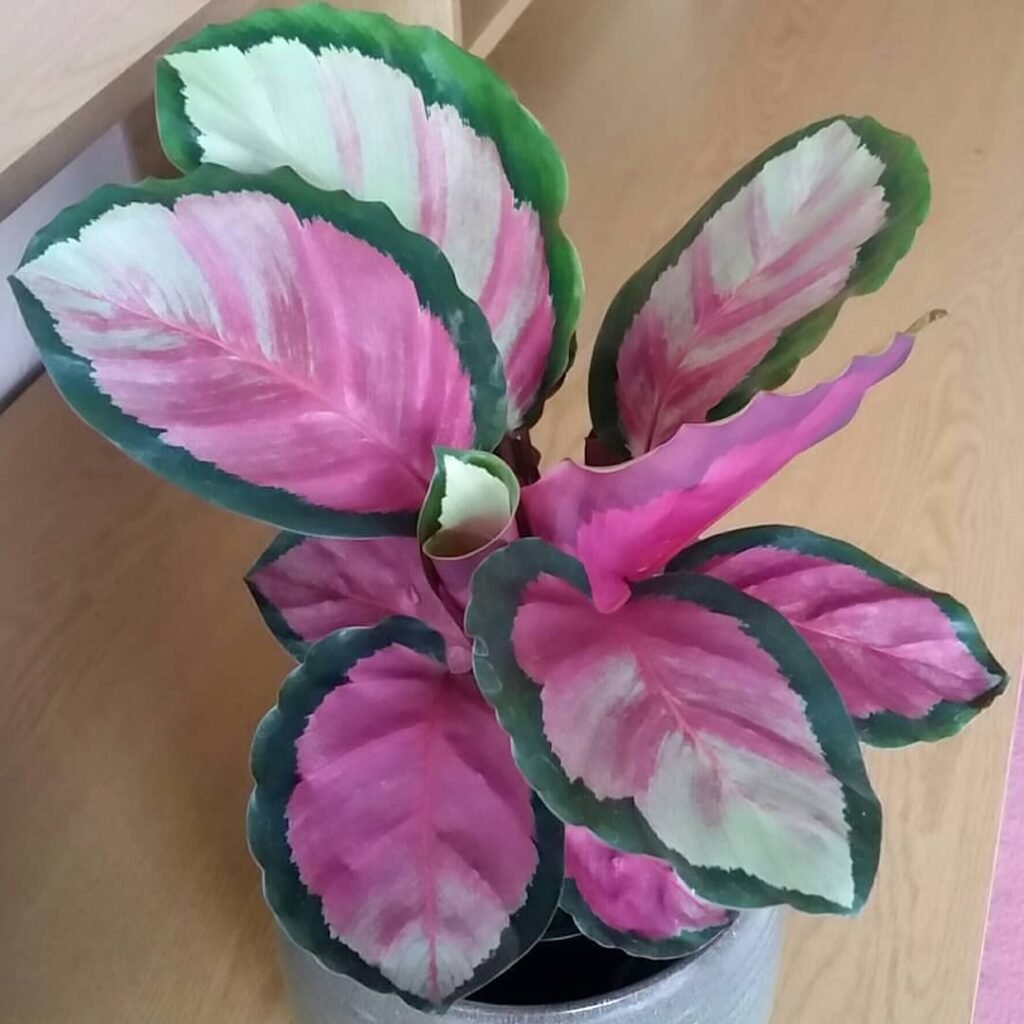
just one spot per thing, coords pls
(134, 668)
(69, 69)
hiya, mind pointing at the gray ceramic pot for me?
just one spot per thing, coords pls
(732, 982)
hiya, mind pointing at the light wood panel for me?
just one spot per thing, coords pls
(134, 668)
(69, 70)
(653, 103)
(486, 22)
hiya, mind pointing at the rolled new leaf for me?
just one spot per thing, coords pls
(468, 513)
(754, 281)
(633, 902)
(909, 663)
(287, 353)
(626, 523)
(399, 843)
(308, 587)
(692, 724)
(399, 115)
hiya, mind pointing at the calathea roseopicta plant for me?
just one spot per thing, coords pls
(514, 693)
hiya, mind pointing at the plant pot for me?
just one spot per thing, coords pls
(732, 981)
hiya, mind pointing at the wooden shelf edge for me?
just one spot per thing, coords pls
(497, 28)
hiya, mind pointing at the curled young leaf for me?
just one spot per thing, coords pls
(692, 724)
(399, 843)
(624, 524)
(634, 902)
(399, 115)
(469, 512)
(909, 663)
(288, 353)
(754, 281)
(308, 587)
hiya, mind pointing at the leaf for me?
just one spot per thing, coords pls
(633, 902)
(909, 663)
(625, 523)
(284, 352)
(308, 587)
(754, 281)
(469, 512)
(399, 843)
(693, 724)
(402, 116)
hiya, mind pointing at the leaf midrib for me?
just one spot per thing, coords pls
(274, 370)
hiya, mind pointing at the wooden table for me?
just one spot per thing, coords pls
(134, 668)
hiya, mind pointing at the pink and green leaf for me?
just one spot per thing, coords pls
(626, 523)
(692, 724)
(634, 902)
(910, 663)
(399, 115)
(755, 280)
(468, 513)
(308, 587)
(290, 354)
(398, 841)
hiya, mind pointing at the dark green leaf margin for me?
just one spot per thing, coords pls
(683, 944)
(907, 191)
(496, 598)
(885, 728)
(294, 644)
(300, 912)
(416, 256)
(444, 74)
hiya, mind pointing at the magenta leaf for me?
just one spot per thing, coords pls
(909, 663)
(308, 587)
(291, 354)
(692, 724)
(752, 284)
(399, 115)
(634, 902)
(626, 523)
(398, 841)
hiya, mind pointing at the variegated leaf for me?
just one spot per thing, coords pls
(291, 354)
(308, 587)
(634, 902)
(692, 724)
(909, 663)
(398, 841)
(402, 116)
(752, 284)
(469, 512)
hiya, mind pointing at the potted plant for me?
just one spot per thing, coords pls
(527, 707)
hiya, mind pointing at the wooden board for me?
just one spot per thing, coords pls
(134, 668)
(68, 71)
(486, 22)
